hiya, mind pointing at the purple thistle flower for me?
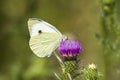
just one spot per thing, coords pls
(70, 48)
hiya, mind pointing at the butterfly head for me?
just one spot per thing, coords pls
(64, 37)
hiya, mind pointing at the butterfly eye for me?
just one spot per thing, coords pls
(39, 31)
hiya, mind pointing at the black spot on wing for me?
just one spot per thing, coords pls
(39, 31)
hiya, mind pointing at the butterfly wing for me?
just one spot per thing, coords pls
(44, 43)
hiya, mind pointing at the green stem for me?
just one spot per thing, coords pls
(67, 76)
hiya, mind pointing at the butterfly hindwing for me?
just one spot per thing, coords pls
(44, 44)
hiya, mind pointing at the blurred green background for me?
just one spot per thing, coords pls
(81, 18)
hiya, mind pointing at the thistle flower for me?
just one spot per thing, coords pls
(70, 48)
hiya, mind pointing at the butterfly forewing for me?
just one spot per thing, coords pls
(35, 25)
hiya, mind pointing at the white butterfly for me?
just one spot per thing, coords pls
(44, 38)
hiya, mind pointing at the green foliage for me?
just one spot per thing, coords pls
(111, 40)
